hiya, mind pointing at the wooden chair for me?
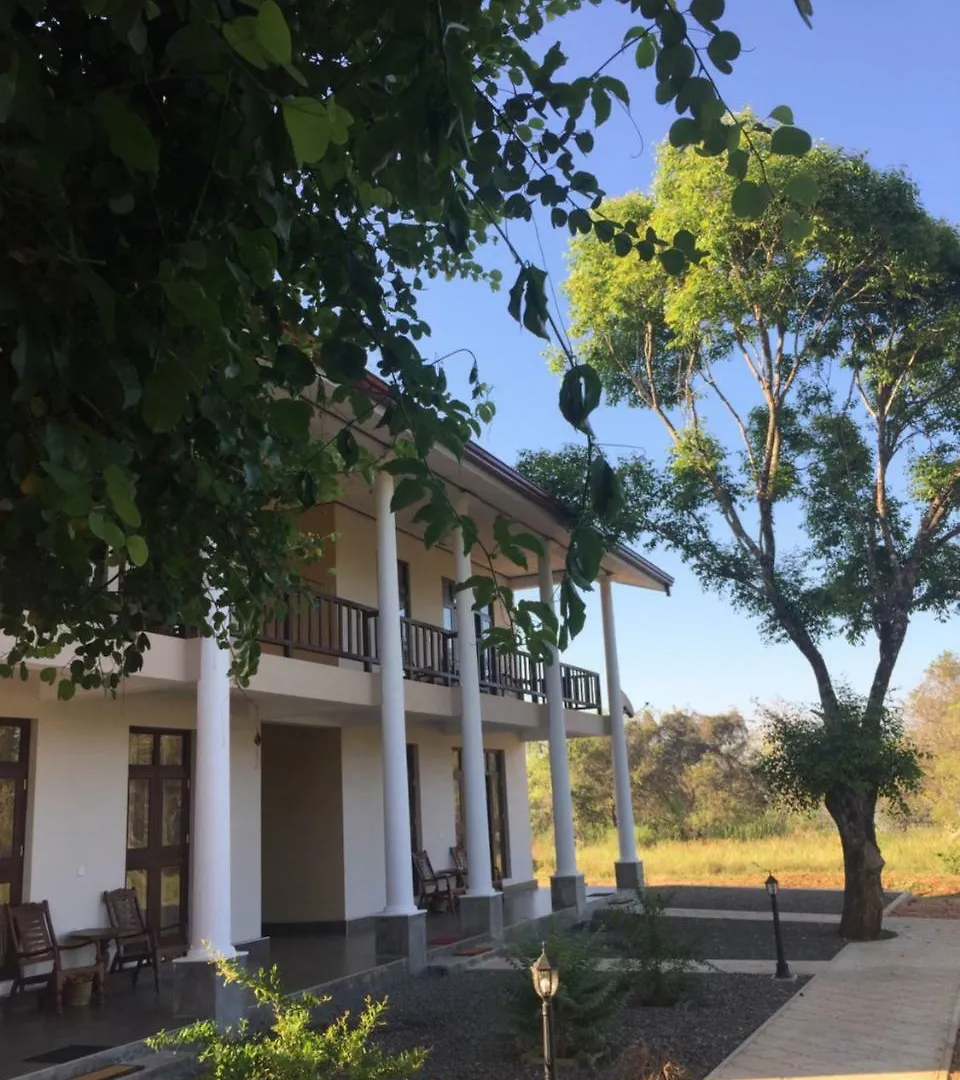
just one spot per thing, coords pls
(136, 942)
(33, 942)
(438, 889)
(459, 856)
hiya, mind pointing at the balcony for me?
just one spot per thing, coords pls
(329, 626)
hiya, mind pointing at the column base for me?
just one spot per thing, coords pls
(200, 993)
(567, 891)
(629, 875)
(482, 915)
(403, 937)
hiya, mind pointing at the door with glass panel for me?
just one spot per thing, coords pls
(14, 758)
(158, 827)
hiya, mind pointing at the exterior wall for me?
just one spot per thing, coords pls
(302, 840)
(77, 801)
(364, 885)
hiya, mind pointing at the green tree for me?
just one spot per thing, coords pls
(806, 376)
(933, 712)
(215, 216)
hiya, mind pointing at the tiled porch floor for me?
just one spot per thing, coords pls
(130, 1015)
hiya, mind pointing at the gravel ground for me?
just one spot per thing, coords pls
(462, 1018)
(723, 898)
(741, 939)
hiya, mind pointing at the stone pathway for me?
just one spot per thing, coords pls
(879, 1010)
(704, 967)
(754, 916)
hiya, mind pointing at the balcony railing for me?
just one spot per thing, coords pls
(331, 626)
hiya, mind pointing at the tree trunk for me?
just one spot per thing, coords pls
(862, 865)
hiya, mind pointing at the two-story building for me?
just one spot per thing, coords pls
(373, 727)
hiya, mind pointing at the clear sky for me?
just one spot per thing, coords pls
(867, 77)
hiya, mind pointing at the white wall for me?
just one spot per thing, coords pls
(363, 852)
(77, 801)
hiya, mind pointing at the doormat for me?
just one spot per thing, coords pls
(62, 1054)
(111, 1072)
(449, 939)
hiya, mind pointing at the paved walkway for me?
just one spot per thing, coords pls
(881, 1010)
(753, 916)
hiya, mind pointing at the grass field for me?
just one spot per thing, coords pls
(804, 859)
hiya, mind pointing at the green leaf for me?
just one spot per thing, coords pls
(516, 294)
(783, 114)
(130, 138)
(308, 126)
(790, 140)
(646, 54)
(8, 87)
(407, 492)
(137, 550)
(706, 12)
(243, 37)
(106, 530)
(622, 244)
(796, 228)
(738, 161)
(750, 199)
(121, 204)
(290, 417)
(722, 48)
(805, 8)
(606, 493)
(120, 492)
(347, 447)
(48, 674)
(258, 254)
(66, 689)
(273, 32)
(674, 261)
(685, 241)
(295, 367)
(165, 398)
(188, 297)
(802, 189)
(580, 395)
(684, 132)
(600, 100)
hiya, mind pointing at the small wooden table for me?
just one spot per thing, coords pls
(98, 936)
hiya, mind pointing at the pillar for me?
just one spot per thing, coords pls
(629, 869)
(481, 909)
(198, 991)
(401, 929)
(566, 885)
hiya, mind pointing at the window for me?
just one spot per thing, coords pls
(403, 583)
(496, 785)
(483, 620)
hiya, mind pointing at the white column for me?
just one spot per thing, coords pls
(618, 736)
(210, 918)
(396, 810)
(559, 765)
(479, 877)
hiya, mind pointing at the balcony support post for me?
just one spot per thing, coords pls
(629, 869)
(566, 885)
(481, 910)
(401, 930)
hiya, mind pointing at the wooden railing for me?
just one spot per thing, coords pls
(331, 626)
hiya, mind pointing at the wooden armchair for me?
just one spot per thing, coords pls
(33, 942)
(136, 942)
(459, 856)
(437, 889)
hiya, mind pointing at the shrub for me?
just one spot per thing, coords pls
(291, 1049)
(950, 858)
(588, 1004)
(662, 960)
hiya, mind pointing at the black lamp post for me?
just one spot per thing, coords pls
(773, 887)
(546, 979)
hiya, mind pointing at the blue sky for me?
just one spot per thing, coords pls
(862, 78)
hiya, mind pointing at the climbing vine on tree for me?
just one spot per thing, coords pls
(217, 216)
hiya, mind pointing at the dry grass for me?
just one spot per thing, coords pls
(804, 859)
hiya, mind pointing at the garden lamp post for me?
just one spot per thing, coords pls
(546, 979)
(773, 887)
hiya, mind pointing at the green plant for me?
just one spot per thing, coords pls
(661, 960)
(292, 1049)
(588, 1004)
(949, 858)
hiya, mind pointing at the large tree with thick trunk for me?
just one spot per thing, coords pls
(807, 377)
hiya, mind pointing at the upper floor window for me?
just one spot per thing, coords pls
(483, 619)
(403, 581)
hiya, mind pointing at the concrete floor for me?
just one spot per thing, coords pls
(131, 1015)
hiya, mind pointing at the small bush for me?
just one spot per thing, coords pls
(661, 959)
(638, 1062)
(950, 858)
(291, 1049)
(588, 1004)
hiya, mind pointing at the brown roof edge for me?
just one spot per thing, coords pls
(491, 464)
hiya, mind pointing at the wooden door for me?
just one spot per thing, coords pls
(14, 760)
(158, 827)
